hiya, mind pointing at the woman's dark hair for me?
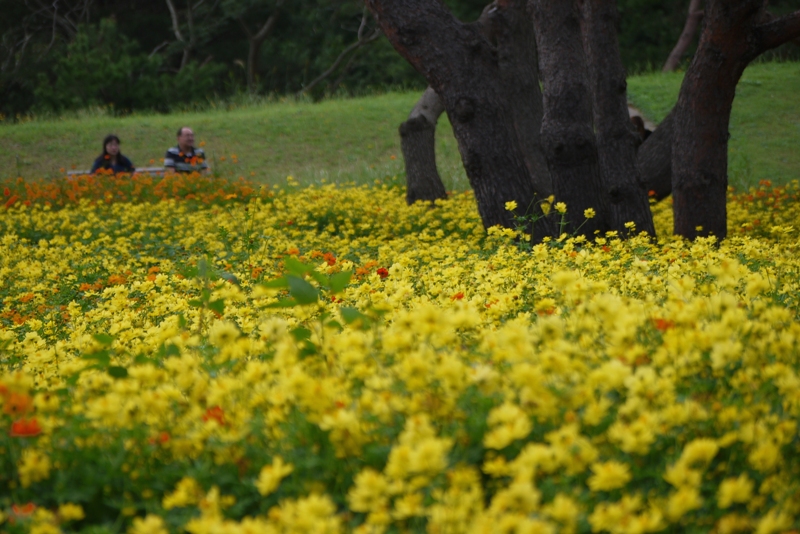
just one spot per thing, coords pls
(108, 139)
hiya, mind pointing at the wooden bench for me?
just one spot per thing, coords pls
(141, 170)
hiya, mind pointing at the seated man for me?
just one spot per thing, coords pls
(185, 157)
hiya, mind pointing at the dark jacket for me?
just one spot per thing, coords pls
(123, 164)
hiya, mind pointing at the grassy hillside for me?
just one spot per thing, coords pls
(342, 140)
(765, 123)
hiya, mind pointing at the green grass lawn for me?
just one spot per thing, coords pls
(765, 123)
(355, 140)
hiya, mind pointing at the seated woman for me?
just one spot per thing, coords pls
(111, 157)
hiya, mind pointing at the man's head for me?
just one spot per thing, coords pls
(185, 139)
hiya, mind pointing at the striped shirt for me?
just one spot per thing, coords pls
(189, 162)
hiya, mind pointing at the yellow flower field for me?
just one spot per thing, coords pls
(328, 359)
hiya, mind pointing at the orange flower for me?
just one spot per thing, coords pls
(329, 258)
(293, 251)
(216, 413)
(26, 298)
(17, 403)
(663, 324)
(116, 279)
(25, 428)
(162, 438)
(23, 511)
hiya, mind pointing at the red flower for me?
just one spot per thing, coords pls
(162, 438)
(216, 413)
(663, 324)
(7, 192)
(457, 296)
(382, 272)
(25, 428)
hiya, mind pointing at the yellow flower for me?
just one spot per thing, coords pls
(508, 423)
(222, 333)
(734, 490)
(682, 501)
(271, 475)
(33, 467)
(70, 512)
(44, 528)
(560, 207)
(511, 205)
(699, 451)
(151, 524)
(589, 213)
(765, 456)
(369, 492)
(187, 492)
(609, 475)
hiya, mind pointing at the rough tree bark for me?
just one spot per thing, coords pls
(461, 65)
(732, 37)
(693, 18)
(616, 140)
(418, 142)
(567, 133)
(511, 32)
(654, 160)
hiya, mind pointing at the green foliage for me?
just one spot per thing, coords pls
(103, 67)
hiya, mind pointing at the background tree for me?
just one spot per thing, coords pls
(734, 34)
(244, 12)
(462, 66)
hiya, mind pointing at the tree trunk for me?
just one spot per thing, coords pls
(731, 39)
(654, 160)
(567, 131)
(462, 67)
(511, 32)
(693, 19)
(616, 140)
(417, 140)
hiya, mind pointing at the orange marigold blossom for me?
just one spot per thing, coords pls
(23, 428)
(17, 403)
(215, 413)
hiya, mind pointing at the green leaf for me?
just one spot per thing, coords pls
(295, 266)
(320, 278)
(196, 303)
(182, 322)
(278, 283)
(118, 372)
(283, 303)
(339, 281)
(203, 268)
(334, 324)
(103, 339)
(217, 306)
(300, 333)
(302, 291)
(351, 315)
(102, 358)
